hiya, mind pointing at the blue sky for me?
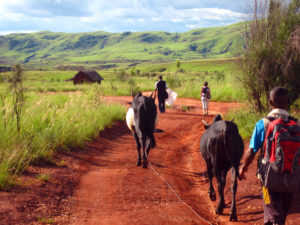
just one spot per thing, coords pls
(117, 15)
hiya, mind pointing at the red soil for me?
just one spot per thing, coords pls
(102, 185)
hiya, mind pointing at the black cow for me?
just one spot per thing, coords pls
(141, 118)
(222, 148)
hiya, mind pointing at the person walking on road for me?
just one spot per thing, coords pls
(205, 96)
(162, 95)
(275, 204)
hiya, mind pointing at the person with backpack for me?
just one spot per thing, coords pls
(205, 96)
(162, 95)
(277, 136)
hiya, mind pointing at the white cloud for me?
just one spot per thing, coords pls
(116, 15)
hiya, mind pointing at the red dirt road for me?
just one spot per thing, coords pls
(102, 185)
(115, 191)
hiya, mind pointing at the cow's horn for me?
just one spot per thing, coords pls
(132, 94)
(232, 120)
(205, 123)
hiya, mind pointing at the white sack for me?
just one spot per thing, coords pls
(172, 95)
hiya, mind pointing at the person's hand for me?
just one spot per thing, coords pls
(242, 173)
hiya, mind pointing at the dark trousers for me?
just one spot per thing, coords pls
(161, 105)
(276, 206)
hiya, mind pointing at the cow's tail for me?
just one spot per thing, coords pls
(152, 140)
(151, 118)
(150, 124)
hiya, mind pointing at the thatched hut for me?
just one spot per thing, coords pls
(87, 77)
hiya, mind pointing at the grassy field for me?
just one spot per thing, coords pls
(58, 114)
(186, 79)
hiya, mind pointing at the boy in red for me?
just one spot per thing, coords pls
(276, 205)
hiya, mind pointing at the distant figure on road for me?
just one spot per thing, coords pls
(162, 95)
(205, 96)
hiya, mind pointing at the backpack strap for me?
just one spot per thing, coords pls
(293, 118)
(260, 171)
(267, 120)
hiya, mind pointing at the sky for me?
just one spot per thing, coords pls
(116, 16)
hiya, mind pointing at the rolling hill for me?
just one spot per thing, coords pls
(105, 50)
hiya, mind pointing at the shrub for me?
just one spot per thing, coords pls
(272, 56)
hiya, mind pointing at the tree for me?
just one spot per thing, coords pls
(272, 56)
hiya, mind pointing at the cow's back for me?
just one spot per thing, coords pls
(234, 143)
(145, 114)
(222, 144)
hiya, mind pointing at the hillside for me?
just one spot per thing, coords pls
(106, 50)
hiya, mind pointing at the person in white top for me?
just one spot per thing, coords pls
(205, 96)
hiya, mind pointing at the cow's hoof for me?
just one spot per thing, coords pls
(212, 196)
(138, 163)
(233, 217)
(145, 164)
(219, 211)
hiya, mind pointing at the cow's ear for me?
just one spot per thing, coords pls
(218, 117)
(151, 94)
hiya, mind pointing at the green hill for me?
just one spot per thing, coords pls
(104, 50)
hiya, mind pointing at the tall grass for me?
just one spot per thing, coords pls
(245, 120)
(50, 121)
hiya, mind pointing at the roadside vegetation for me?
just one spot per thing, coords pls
(272, 56)
(49, 122)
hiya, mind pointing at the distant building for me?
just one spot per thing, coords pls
(86, 77)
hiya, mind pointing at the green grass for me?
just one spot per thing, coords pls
(43, 177)
(49, 121)
(245, 120)
(44, 220)
(186, 80)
